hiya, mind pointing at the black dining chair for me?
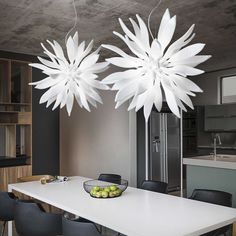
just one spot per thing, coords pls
(78, 228)
(155, 186)
(112, 178)
(31, 220)
(214, 197)
(7, 205)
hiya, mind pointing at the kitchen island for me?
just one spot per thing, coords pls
(209, 172)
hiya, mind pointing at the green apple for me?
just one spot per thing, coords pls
(98, 194)
(111, 194)
(118, 192)
(105, 194)
(107, 189)
(113, 187)
(96, 188)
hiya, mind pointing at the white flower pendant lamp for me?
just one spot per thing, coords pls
(155, 70)
(70, 78)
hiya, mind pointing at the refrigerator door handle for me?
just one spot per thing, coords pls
(166, 149)
(163, 146)
(155, 144)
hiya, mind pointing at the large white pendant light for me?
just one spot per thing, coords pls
(156, 70)
(70, 76)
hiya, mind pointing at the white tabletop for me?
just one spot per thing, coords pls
(136, 213)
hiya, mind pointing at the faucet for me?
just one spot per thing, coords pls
(216, 137)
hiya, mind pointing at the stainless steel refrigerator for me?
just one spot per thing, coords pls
(164, 149)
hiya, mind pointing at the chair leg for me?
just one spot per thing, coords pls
(3, 228)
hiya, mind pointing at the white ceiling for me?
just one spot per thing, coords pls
(26, 23)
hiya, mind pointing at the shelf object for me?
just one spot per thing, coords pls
(15, 121)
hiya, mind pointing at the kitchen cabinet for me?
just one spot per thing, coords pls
(220, 118)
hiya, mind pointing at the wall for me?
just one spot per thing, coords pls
(45, 126)
(45, 134)
(100, 141)
(210, 84)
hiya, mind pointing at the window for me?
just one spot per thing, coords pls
(228, 89)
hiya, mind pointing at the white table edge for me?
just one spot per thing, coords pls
(11, 187)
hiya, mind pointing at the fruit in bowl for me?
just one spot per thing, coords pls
(112, 191)
(102, 189)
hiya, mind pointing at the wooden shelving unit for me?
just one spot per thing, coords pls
(15, 120)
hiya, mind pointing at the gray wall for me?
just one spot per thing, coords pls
(100, 141)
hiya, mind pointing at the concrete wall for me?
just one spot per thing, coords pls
(101, 141)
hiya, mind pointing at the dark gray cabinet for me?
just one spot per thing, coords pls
(220, 118)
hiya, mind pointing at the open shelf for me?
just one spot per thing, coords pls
(15, 121)
(15, 109)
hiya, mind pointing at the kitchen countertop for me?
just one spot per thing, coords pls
(218, 147)
(221, 161)
(6, 161)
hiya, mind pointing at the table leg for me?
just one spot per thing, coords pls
(9, 222)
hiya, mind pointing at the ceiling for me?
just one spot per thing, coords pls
(26, 23)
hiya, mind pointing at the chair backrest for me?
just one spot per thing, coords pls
(31, 220)
(7, 205)
(112, 178)
(75, 228)
(155, 186)
(212, 196)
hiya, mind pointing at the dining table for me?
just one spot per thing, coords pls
(136, 212)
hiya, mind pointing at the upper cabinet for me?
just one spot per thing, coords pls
(220, 118)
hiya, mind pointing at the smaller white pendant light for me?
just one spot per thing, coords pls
(155, 70)
(71, 77)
